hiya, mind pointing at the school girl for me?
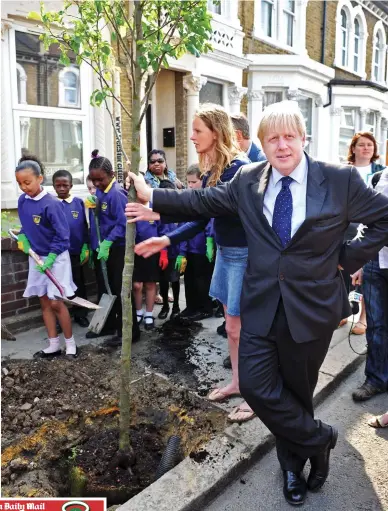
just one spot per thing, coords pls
(79, 249)
(46, 231)
(170, 266)
(146, 273)
(111, 202)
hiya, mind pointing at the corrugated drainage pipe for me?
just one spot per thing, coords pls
(170, 456)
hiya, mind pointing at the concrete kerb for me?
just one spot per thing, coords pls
(191, 485)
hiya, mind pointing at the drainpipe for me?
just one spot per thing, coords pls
(323, 41)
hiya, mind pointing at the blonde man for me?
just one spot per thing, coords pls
(295, 211)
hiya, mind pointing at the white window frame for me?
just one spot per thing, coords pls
(379, 29)
(286, 13)
(355, 127)
(20, 110)
(352, 14)
(229, 13)
(278, 26)
(21, 78)
(62, 88)
(225, 98)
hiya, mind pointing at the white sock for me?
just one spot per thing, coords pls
(54, 345)
(71, 348)
(140, 312)
(148, 318)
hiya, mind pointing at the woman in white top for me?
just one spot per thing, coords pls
(363, 153)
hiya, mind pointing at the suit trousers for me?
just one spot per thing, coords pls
(79, 281)
(277, 378)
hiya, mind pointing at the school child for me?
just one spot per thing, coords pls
(46, 231)
(146, 273)
(112, 199)
(170, 270)
(199, 253)
(79, 249)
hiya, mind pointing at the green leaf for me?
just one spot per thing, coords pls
(33, 15)
(64, 59)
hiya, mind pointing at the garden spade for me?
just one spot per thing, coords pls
(107, 299)
(79, 302)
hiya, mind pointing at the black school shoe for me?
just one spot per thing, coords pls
(149, 326)
(93, 335)
(175, 312)
(221, 330)
(42, 354)
(84, 322)
(164, 312)
(73, 355)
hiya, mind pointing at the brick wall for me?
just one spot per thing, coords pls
(14, 273)
(250, 44)
(180, 127)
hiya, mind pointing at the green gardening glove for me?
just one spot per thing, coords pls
(210, 249)
(23, 243)
(103, 250)
(91, 201)
(85, 252)
(49, 262)
(181, 263)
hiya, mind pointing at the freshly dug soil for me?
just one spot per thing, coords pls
(60, 426)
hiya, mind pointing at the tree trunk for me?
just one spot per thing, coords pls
(124, 442)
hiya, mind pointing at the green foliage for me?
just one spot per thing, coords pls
(169, 29)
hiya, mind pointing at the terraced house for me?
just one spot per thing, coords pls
(329, 56)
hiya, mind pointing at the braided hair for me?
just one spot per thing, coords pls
(100, 162)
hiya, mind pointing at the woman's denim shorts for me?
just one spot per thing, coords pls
(228, 277)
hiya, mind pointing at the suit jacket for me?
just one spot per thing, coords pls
(256, 154)
(304, 273)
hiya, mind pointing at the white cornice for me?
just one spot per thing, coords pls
(227, 58)
(290, 64)
(371, 7)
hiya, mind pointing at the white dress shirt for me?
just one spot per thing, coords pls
(39, 196)
(298, 189)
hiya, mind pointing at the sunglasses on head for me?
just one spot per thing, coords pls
(159, 160)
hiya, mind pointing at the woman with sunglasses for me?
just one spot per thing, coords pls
(158, 170)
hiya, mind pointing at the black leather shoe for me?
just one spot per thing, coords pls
(198, 316)
(84, 322)
(92, 335)
(164, 312)
(320, 464)
(294, 487)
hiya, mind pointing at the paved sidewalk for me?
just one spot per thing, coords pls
(358, 471)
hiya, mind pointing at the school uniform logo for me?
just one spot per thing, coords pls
(104, 206)
(151, 222)
(75, 214)
(36, 219)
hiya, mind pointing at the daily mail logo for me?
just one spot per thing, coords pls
(53, 504)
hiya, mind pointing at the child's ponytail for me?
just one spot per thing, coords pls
(100, 162)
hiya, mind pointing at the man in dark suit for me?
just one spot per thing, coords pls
(294, 211)
(241, 129)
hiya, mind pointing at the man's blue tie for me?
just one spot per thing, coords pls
(282, 213)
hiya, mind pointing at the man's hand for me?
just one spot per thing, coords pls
(152, 246)
(357, 278)
(142, 189)
(137, 212)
